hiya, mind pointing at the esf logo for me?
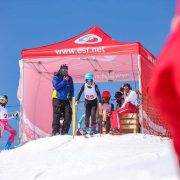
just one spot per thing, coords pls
(88, 39)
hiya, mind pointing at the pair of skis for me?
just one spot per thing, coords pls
(102, 128)
(86, 133)
(102, 123)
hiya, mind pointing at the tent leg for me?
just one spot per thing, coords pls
(140, 89)
(73, 117)
(20, 136)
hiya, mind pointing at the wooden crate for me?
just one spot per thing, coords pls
(129, 126)
(130, 123)
(125, 131)
(130, 116)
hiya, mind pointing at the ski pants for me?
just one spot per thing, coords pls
(90, 111)
(117, 114)
(4, 125)
(61, 108)
(108, 126)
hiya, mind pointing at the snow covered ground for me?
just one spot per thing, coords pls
(126, 157)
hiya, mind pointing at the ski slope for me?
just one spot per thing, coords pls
(126, 157)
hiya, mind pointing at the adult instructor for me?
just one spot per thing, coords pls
(61, 99)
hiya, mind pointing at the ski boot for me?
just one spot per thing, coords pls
(115, 131)
(81, 131)
(55, 133)
(64, 131)
(8, 146)
(93, 131)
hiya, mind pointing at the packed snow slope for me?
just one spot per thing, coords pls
(126, 157)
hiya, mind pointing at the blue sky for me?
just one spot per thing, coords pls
(33, 23)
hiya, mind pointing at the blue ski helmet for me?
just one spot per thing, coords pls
(89, 77)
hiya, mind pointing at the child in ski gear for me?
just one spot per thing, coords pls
(61, 98)
(4, 116)
(91, 92)
(108, 107)
(129, 106)
(81, 120)
(119, 99)
(80, 129)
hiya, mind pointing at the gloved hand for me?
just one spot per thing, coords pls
(108, 114)
(99, 120)
(77, 102)
(16, 114)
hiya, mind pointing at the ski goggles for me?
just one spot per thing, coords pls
(89, 80)
(64, 70)
(106, 98)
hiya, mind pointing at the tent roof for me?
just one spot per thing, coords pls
(92, 41)
(92, 51)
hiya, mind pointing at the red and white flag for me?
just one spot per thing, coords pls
(165, 87)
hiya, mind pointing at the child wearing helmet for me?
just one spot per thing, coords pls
(4, 116)
(106, 107)
(119, 99)
(91, 92)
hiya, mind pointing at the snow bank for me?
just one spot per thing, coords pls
(126, 157)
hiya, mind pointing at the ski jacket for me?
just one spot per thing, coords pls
(119, 103)
(90, 93)
(4, 114)
(109, 107)
(63, 89)
(131, 97)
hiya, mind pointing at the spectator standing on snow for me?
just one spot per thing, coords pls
(62, 97)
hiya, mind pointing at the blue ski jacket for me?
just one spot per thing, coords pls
(63, 89)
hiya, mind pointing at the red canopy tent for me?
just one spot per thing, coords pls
(92, 51)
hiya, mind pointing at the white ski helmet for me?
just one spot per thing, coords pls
(3, 100)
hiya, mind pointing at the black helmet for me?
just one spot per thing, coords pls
(128, 85)
(118, 94)
(64, 66)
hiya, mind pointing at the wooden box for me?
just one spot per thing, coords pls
(130, 123)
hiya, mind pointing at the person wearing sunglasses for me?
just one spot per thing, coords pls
(61, 100)
(91, 93)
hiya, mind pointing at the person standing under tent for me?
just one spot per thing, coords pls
(61, 99)
(108, 107)
(119, 99)
(91, 92)
(130, 105)
(4, 116)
